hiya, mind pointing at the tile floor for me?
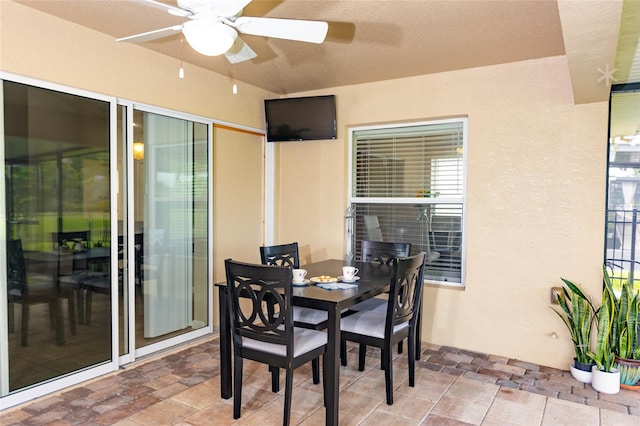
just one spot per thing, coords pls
(453, 387)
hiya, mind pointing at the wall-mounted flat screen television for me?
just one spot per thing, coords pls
(300, 119)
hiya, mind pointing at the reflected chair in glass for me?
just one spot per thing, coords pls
(265, 335)
(95, 285)
(72, 266)
(20, 291)
(384, 330)
(315, 319)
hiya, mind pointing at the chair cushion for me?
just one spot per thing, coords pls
(376, 304)
(309, 315)
(368, 323)
(304, 340)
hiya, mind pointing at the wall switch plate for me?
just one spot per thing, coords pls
(555, 292)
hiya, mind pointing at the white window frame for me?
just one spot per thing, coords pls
(351, 199)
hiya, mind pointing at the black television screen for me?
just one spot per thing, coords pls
(299, 119)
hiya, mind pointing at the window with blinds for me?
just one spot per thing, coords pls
(407, 185)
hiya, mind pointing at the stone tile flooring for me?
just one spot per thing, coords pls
(453, 387)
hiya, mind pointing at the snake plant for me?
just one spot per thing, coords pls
(625, 333)
(577, 312)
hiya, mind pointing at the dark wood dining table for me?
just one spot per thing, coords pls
(374, 280)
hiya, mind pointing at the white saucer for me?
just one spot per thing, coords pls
(300, 284)
(348, 281)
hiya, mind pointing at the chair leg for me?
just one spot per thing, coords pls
(418, 338)
(324, 379)
(12, 317)
(412, 360)
(24, 326)
(55, 306)
(388, 375)
(315, 369)
(275, 379)
(400, 347)
(85, 311)
(362, 354)
(288, 391)
(343, 352)
(237, 386)
(72, 312)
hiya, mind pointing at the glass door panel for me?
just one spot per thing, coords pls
(170, 207)
(58, 233)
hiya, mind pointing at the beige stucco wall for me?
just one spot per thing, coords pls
(535, 198)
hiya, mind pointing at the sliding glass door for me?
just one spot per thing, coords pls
(106, 239)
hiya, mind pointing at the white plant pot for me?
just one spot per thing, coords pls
(605, 382)
(581, 375)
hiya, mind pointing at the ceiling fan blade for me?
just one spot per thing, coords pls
(229, 8)
(240, 52)
(152, 35)
(289, 29)
(171, 9)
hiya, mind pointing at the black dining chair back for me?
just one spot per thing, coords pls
(384, 330)
(287, 255)
(405, 292)
(281, 255)
(383, 252)
(260, 335)
(315, 319)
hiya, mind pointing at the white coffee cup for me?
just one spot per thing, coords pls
(349, 273)
(298, 275)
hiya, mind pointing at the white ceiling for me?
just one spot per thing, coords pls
(372, 40)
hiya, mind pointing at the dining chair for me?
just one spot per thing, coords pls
(264, 335)
(384, 330)
(382, 254)
(19, 291)
(314, 319)
(287, 255)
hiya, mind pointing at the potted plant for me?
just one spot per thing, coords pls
(624, 334)
(605, 377)
(577, 312)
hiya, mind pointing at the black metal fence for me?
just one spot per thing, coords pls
(622, 253)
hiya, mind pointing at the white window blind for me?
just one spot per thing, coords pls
(407, 185)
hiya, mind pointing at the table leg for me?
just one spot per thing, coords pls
(333, 367)
(225, 344)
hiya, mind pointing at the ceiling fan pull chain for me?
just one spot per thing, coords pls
(181, 72)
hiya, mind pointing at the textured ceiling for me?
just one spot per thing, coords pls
(368, 40)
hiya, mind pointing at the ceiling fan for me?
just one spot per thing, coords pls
(213, 27)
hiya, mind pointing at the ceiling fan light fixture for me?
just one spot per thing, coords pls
(209, 38)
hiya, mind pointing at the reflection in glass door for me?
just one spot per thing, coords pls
(170, 184)
(57, 209)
